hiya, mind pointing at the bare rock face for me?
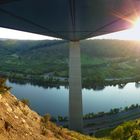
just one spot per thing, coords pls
(19, 122)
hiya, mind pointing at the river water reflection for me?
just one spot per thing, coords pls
(55, 100)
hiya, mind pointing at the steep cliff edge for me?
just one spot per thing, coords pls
(19, 122)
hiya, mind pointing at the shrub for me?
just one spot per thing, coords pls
(136, 135)
(128, 130)
(3, 87)
(25, 102)
(46, 118)
(118, 133)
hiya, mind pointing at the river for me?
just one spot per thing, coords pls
(55, 100)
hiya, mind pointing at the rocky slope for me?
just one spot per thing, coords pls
(18, 122)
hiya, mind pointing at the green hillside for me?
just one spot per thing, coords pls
(101, 59)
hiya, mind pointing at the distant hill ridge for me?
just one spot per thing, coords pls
(95, 48)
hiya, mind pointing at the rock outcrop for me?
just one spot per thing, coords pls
(19, 122)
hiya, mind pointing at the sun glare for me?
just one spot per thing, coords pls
(137, 24)
(136, 30)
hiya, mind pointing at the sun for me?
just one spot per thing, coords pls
(137, 25)
(134, 32)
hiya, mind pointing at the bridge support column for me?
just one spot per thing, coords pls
(75, 88)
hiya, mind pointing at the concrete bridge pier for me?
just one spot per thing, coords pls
(75, 88)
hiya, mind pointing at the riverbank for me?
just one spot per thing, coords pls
(48, 80)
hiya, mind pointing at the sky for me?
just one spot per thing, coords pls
(130, 34)
(14, 34)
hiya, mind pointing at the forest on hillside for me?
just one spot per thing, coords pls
(101, 60)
